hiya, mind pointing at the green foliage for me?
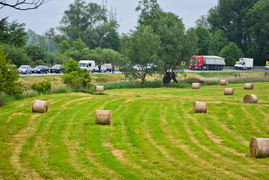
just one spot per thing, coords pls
(204, 40)
(231, 53)
(8, 76)
(75, 77)
(90, 23)
(12, 33)
(229, 16)
(35, 52)
(70, 66)
(17, 55)
(141, 48)
(43, 86)
(257, 21)
(219, 40)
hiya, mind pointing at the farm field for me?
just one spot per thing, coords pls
(155, 135)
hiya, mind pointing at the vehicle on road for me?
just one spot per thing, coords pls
(25, 69)
(57, 68)
(109, 67)
(41, 69)
(207, 63)
(87, 65)
(244, 64)
(266, 67)
(103, 69)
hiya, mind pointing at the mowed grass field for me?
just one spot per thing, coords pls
(155, 135)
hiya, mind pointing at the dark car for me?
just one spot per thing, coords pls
(41, 69)
(57, 68)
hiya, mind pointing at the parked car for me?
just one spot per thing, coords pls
(266, 67)
(24, 69)
(96, 69)
(56, 68)
(109, 67)
(41, 69)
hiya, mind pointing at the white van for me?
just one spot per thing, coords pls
(88, 65)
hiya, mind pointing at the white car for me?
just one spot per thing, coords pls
(266, 67)
(96, 69)
(24, 69)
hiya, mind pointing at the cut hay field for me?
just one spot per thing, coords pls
(155, 135)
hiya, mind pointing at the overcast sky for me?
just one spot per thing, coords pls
(49, 14)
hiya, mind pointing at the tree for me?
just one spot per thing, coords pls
(219, 40)
(228, 16)
(173, 44)
(22, 4)
(88, 22)
(171, 30)
(12, 33)
(8, 76)
(231, 53)
(204, 40)
(203, 22)
(17, 55)
(257, 22)
(141, 49)
(35, 52)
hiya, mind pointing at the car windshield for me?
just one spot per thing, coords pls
(194, 60)
(82, 64)
(56, 66)
(38, 67)
(239, 63)
(23, 67)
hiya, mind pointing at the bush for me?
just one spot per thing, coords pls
(43, 86)
(8, 76)
(75, 77)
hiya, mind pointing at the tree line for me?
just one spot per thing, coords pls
(232, 29)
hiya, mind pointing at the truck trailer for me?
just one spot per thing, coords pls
(206, 63)
(244, 63)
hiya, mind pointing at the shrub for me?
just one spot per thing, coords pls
(43, 86)
(8, 76)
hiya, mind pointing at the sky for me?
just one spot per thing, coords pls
(49, 14)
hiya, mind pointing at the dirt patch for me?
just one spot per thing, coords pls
(213, 137)
(118, 153)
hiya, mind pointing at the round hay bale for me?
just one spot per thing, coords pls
(249, 86)
(259, 147)
(224, 82)
(229, 91)
(103, 117)
(250, 98)
(196, 85)
(99, 88)
(199, 107)
(40, 106)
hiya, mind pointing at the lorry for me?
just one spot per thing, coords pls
(244, 63)
(206, 63)
(87, 65)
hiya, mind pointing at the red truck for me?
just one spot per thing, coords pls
(206, 63)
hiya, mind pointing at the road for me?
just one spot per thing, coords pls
(186, 70)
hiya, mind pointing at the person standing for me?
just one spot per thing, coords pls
(113, 69)
(99, 67)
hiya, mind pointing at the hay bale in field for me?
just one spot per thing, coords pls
(103, 117)
(259, 147)
(199, 107)
(99, 88)
(196, 85)
(40, 106)
(250, 98)
(249, 86)
(229, 91)
(223, 82)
